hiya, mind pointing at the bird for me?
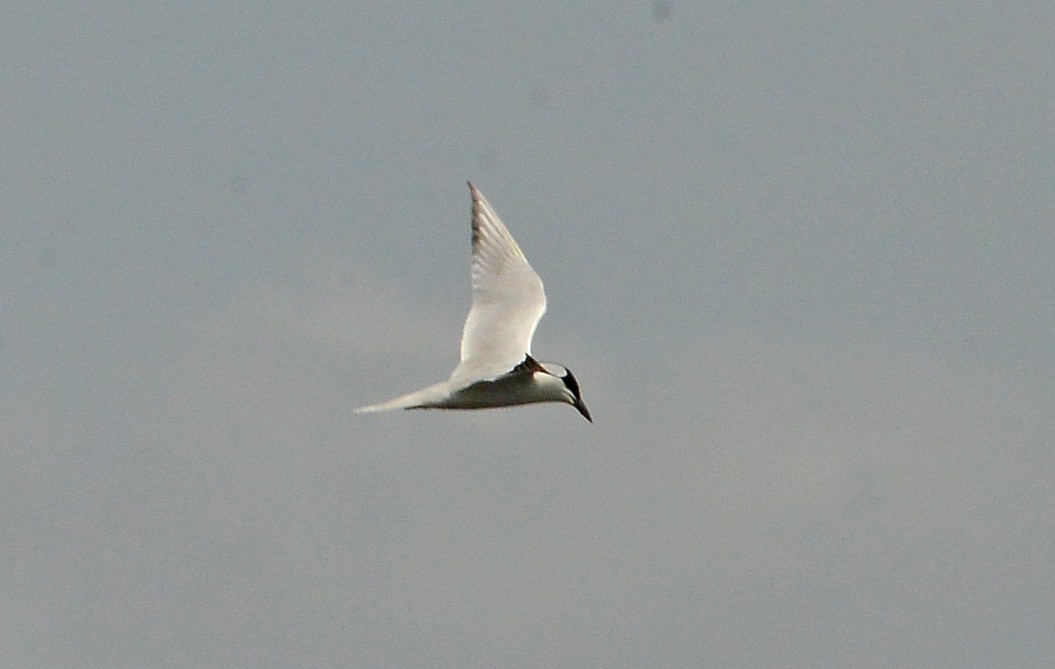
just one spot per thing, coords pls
(496, 367)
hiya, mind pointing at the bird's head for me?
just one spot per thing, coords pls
(570, 387)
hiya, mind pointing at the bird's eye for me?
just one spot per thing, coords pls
(572, 384)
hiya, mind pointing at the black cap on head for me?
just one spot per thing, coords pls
(573, 386)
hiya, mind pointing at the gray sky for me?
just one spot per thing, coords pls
(800, 256)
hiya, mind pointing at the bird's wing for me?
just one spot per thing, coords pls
(508, 299)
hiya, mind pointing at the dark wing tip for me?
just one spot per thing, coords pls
(475, 214)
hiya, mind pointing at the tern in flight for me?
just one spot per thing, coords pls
(496, 369)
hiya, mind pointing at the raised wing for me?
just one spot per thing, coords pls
(508, 298)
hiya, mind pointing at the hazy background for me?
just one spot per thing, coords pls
(801, 257)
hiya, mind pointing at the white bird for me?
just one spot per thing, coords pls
(496, 368)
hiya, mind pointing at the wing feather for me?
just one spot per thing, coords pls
(508, 297)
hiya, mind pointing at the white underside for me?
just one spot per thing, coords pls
(509, 390)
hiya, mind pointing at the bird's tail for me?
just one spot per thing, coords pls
(419, 399)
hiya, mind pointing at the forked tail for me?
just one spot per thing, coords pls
(419, 399)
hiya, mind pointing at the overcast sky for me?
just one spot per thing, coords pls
(800, 256)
